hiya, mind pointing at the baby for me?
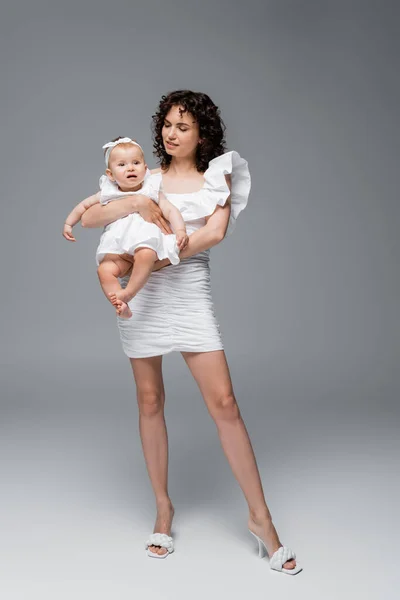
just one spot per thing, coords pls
(127, 174)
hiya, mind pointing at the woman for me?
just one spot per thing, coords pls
(174, 310)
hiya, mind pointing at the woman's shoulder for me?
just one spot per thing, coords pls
(155, 171)
(227, 179)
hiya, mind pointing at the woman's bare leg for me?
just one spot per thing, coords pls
(153, 433)
(211, 373)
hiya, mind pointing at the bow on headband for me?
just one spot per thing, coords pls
(110, 145)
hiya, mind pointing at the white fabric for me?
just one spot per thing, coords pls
(215, 190)
(174, 310)
(131, 232)
(160, 539)
(280, 557)
(111, 145)
(110, 191)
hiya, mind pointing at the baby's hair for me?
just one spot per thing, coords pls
(120, 137)
(108, 150)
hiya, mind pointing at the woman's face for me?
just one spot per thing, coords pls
(180, 133)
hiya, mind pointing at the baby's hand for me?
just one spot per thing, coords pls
(67, 233)
(182, 239)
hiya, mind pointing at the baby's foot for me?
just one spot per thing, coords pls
(121, 308)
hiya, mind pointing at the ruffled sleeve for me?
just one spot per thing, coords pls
(151, 187)
(215, 190)
(108, 190)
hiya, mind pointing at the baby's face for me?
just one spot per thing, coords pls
(127, 167)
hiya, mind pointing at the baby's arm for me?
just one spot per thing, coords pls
(211, 234)
(76, 214)
(173, 215)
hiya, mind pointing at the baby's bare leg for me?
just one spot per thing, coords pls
(144, 259)
(108, 271)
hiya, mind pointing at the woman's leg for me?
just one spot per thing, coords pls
(211, 373)
(153, 433)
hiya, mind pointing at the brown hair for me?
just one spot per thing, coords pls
(207, 115)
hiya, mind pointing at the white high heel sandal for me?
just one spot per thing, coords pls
(160, 539)
(279, 557)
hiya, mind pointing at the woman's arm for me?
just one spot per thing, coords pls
(211, 234)
(213, 231)
(101, 215)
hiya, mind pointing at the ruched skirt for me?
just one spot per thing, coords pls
(172, 312)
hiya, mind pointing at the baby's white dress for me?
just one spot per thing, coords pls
(132, 232)
(174, 310)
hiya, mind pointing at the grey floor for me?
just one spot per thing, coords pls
(76, 504)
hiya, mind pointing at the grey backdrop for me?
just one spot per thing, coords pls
(306, 291)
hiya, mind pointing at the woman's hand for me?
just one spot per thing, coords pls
(151, 212)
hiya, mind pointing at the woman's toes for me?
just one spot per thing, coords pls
(290, 564)
(157, 549)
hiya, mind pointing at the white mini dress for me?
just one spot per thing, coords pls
(131, 232)
(174, 310)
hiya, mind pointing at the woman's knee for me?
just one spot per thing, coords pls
(150, 402)
(224, 407)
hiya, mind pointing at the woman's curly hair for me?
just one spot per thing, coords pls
(207, 115)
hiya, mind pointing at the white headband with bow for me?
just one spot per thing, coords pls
(111, 145)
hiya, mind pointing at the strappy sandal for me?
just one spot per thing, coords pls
(160, 539)
(279, 557)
